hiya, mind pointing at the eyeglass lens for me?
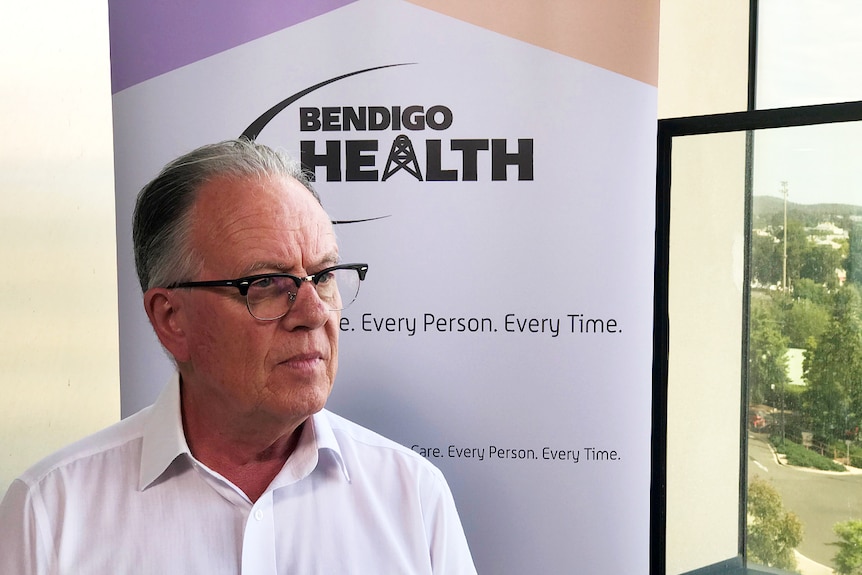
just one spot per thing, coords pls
(272, 297)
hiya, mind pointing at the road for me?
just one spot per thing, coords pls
(820, 498)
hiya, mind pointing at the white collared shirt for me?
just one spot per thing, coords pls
(132, 499)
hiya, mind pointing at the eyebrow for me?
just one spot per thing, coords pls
(326, 261)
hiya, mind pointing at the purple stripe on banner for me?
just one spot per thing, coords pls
(151, 37)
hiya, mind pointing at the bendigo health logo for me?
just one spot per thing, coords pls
(374, 143)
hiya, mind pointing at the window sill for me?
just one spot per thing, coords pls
(735, 567)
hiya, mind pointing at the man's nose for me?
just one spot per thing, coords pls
(307, 309)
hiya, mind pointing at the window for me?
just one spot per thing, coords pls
(726, 314)
(754, 343)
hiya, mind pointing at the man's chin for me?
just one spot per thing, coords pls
(310, 398)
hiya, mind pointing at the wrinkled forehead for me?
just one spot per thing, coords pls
(254, 210)
(223, 196)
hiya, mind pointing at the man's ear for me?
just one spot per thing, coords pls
(164, 308)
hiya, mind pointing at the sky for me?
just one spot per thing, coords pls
(809, 53)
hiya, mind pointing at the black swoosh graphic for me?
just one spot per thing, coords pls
(254, 129)
(336, 222)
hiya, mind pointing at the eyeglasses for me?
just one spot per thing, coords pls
(270, 296)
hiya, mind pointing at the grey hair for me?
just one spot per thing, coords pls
(162, 219)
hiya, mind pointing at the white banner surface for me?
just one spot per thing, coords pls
(507, 191)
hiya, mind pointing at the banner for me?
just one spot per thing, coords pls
(498, 165)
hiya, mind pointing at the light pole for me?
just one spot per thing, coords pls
(784, 260)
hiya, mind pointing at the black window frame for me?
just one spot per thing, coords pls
(668, 129)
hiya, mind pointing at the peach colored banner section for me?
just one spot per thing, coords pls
(618, 35)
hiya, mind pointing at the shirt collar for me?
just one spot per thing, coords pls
(316, 439)
(326, 440)
(164, 441)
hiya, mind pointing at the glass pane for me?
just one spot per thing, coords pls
(805, 350)
(705, 283)
(809, 52)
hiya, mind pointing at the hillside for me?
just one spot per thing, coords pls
(769, 205)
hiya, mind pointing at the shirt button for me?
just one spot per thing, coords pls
(258, 514)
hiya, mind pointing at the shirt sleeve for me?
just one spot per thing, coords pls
(450, 554)
(20, 549)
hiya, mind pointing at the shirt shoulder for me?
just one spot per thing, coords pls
(405, 489)
(367, 446)
(115, 436)
(355, 433)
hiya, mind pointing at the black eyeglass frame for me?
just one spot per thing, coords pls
(244, 283)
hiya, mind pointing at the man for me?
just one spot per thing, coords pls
(236, 468)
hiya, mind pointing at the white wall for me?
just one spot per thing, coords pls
(703, 57)
(58, 342)
(703, 70)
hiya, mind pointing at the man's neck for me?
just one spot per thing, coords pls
(246, 453)
(251, 471)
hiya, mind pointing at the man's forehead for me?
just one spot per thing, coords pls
(231, 196)
(239, 187)
(256, 216)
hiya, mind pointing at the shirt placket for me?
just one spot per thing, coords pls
(258, 543)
